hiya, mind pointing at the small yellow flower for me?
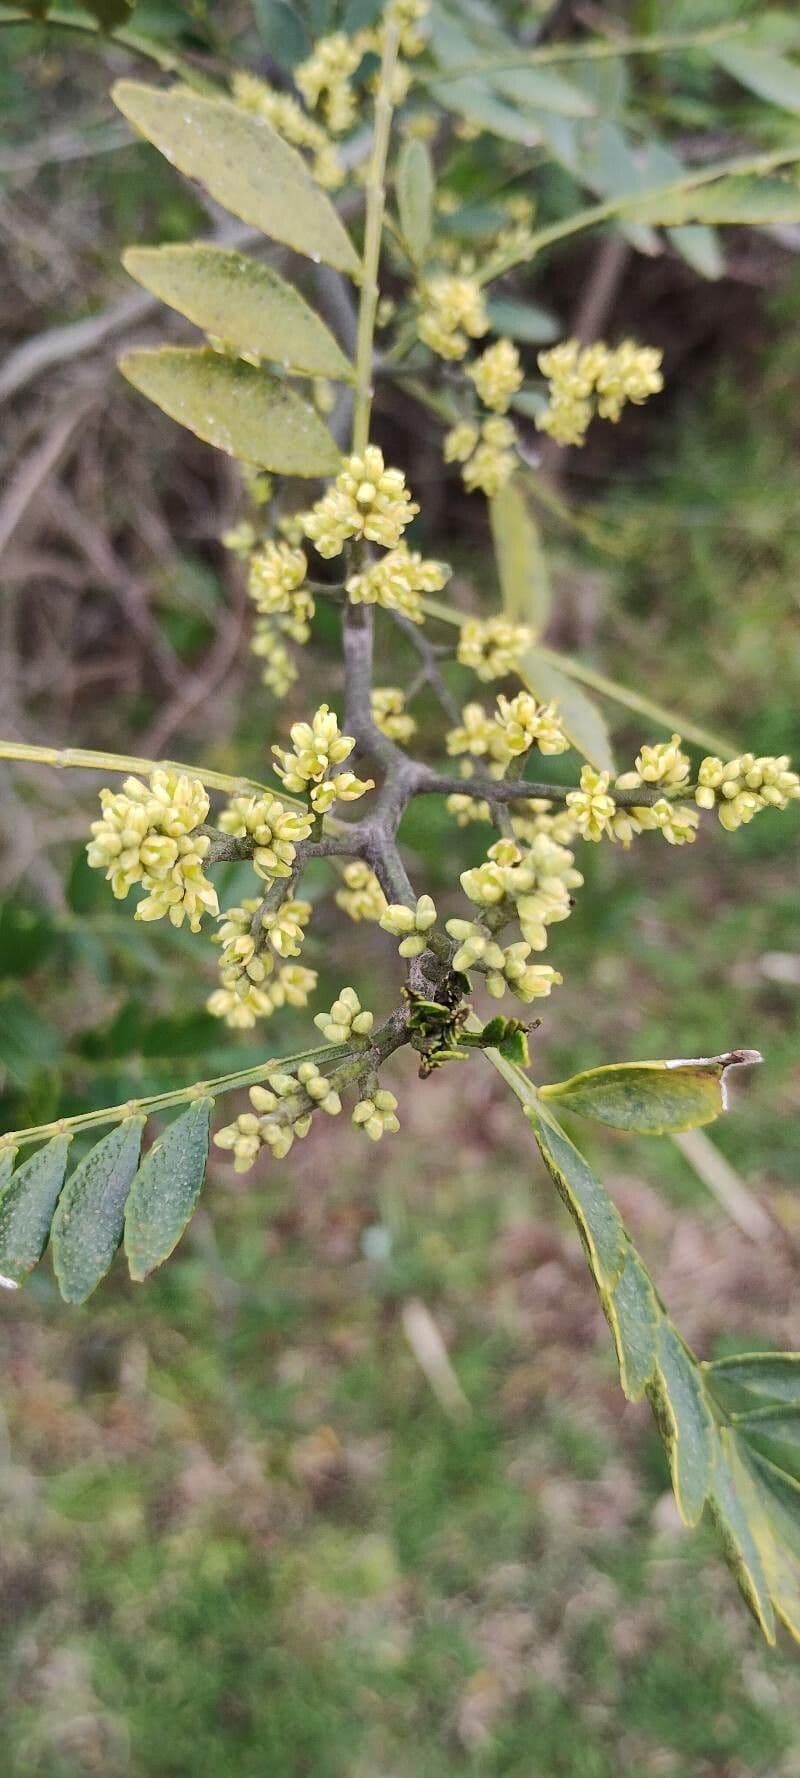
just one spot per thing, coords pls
(275, 831)
(397, 581)
(347, 1018)
(497, 375)
(452, 308)
(366, 500)
(389, 714)
(592, 806)
(494, 460)
(492, 647)
(410, 925)
(376, 1116)
(361, 895)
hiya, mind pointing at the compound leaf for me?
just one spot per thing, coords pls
(244, 164)
(87, 1226)
(166, 1189)
(246, 412)
(26, 1209)
(241, 302)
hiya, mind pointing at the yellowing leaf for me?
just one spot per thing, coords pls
(248, 413)
(241, 302)
(684, 1417)
(166, 1189)
(654, 1098)
(244, 164)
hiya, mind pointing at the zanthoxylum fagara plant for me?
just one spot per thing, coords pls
(274, 158)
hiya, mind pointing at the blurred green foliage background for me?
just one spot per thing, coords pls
(241, 1532)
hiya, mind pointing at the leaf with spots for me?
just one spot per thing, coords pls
(87, 1226)
(245, 412)
(27, 1204)
(166, 1189)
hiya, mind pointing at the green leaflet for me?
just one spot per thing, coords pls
(26, 1208)
(415, 191)
(248, 413)
(654, 1098)
(523, 321)
(7, 1159)
(521, 558)
(166, 1189)
(87, 1226)
(684, 1417)
(582, 722)
(730, 200)
(769, 76)
(241, 302)
(756, 1379)
(716, 1457)
(244, 164)
(633, 700)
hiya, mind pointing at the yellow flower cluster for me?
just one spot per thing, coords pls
(397, 581)
(662, 763)
(497, 375)
(592, 807)
(740, 787)
(279, 671)
(487, 452)
(517, 725)
(274, 830)
(588, 379)
(324, 78)
(538, 881)
(270, 1124)
(251, 987)
(275, 585)
(292, 123)
(366, 500)
(466, 808)
(410, 925)
(147, 834)
(389, 714)
(539, 815)
(361, 895)
(492, 647)
(377, 1116)
(318, 746)
(503, 966)
(346, 1020)
(453, 311)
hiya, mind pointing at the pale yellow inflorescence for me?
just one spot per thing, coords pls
(318, 747)
(389, 714)
(410, 925)
(347, 1019)
(254, 1130)
(279, 672)
(366, 500)
(324, 78)
(598, 378)
(533, 885)
(397, 581)
(251, 985)
(493, 460)
(147, 834)
(376, 1116)
(518, 724)
(739, 788)
(274, 830)
(492, 647)
(592, 807)
(497, 375)
(360, 895)
(452, 312)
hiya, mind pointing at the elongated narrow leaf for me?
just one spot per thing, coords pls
(599, 1223)
(684, 1416)
(244, 164)
(758, 202)
(415, 189)
(246, 412)
(7, 1159)
(166, 1189)
(582, 722)
(655, 1098)
(26, 1209)
(731, 1503)
(634, 1315)
(241, 302)
(660, 714)
(770, 76)
(521, 558)
(87, 1226)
